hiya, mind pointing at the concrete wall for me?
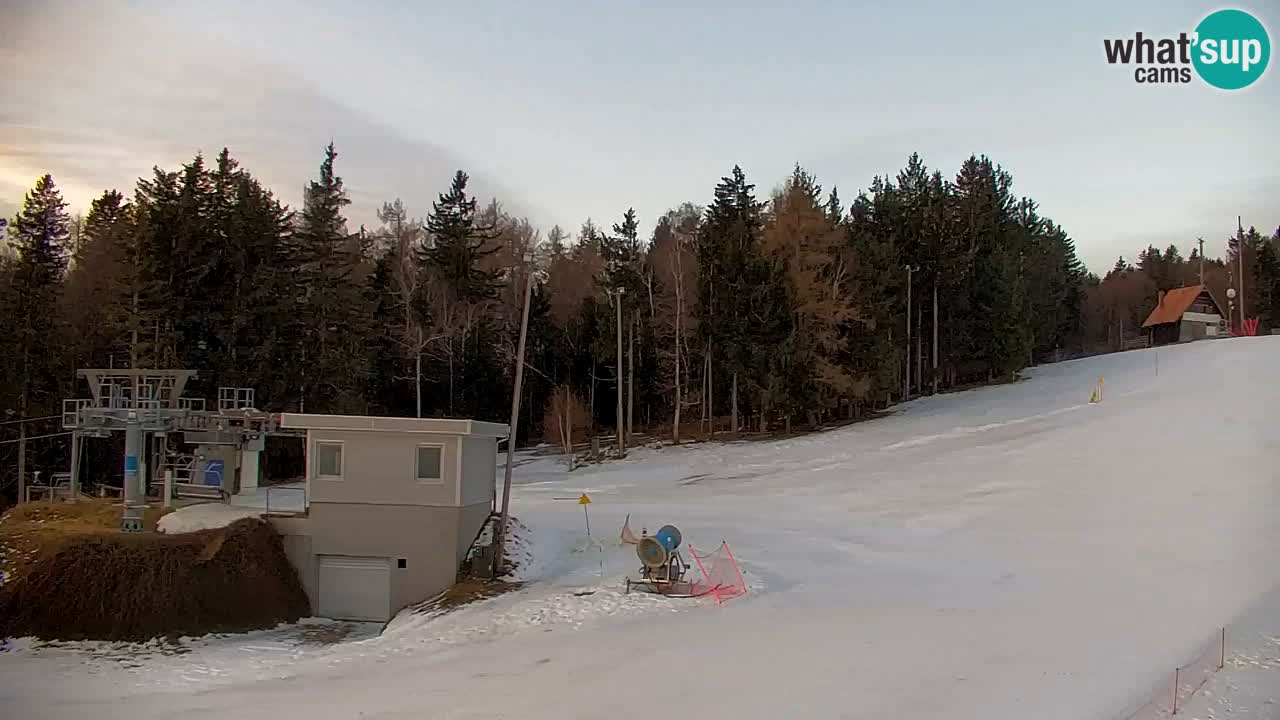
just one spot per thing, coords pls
(478, 488)
(470, 520)
(425, 537)
(297, 547)
(381, 468)
(1206, 318)
(380, 509)
(1194, 330)
(479, 472)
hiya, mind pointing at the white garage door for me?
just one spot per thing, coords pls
(354, 588)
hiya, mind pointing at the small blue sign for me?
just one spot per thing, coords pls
(131, 463)
(213, 472)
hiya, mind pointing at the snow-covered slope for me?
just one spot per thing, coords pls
(1011, 552)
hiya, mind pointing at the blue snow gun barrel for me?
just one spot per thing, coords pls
(669, 536)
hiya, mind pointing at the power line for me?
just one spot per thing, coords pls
(35, 437)
(24, 420)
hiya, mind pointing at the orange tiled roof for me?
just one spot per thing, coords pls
(1173, 305)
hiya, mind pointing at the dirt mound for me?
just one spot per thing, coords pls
(34, 530)
(120, 586)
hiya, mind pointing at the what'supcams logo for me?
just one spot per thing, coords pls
(1229, 50)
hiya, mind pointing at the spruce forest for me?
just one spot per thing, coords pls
(749, 310)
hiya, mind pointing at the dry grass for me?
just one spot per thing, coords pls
(86, 515)
(466, 591)
(34, 530)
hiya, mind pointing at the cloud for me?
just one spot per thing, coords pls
(106, 129)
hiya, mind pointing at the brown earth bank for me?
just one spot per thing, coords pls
(69, 574)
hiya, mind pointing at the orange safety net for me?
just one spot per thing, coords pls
(721, 577)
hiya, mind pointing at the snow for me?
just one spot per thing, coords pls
(1248, 686)
(1009, 552)
(204, 516)
(283, 498)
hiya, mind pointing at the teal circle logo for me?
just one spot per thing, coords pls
(1231, 50)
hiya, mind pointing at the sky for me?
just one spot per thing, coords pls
(570, 110)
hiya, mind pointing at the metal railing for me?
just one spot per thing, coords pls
(292, 507)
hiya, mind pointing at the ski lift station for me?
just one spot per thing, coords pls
(382, 517)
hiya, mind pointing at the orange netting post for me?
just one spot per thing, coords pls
(721, 576)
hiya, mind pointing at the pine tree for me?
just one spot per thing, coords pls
(1266, 283)
(557, 243)
(155, 295)
(331, 311)
(254, 315)
(744, 310)
(462, 290)
(39, 234)
(835, 211)
(98, 283)
(875, 352)
(455, 244)
(624, 270)
(388, 365)
(985, 209)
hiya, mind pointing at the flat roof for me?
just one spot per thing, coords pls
(368, 423)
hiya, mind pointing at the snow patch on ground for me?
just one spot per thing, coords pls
(204, 516)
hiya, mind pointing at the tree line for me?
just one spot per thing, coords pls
(756, 311)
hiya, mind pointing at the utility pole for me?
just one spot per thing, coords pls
(622, 440)
(500, 535)
(906, 378)
(935, 334)
(919, 350)
(631, 373)
(417, 373)
(1240, 254)
(22, 461)
(1201, 242)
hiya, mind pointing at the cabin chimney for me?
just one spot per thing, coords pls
(1159, 298)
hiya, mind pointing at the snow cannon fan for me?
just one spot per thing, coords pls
(669, 536)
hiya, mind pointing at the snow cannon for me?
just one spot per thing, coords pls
(662, 568)
(655, 551)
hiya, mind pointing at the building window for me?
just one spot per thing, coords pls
(428, 465)
(329, 460)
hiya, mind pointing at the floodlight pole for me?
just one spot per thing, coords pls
(1201, 243)
(500, 535)
(1240, 256)
(906, 378)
